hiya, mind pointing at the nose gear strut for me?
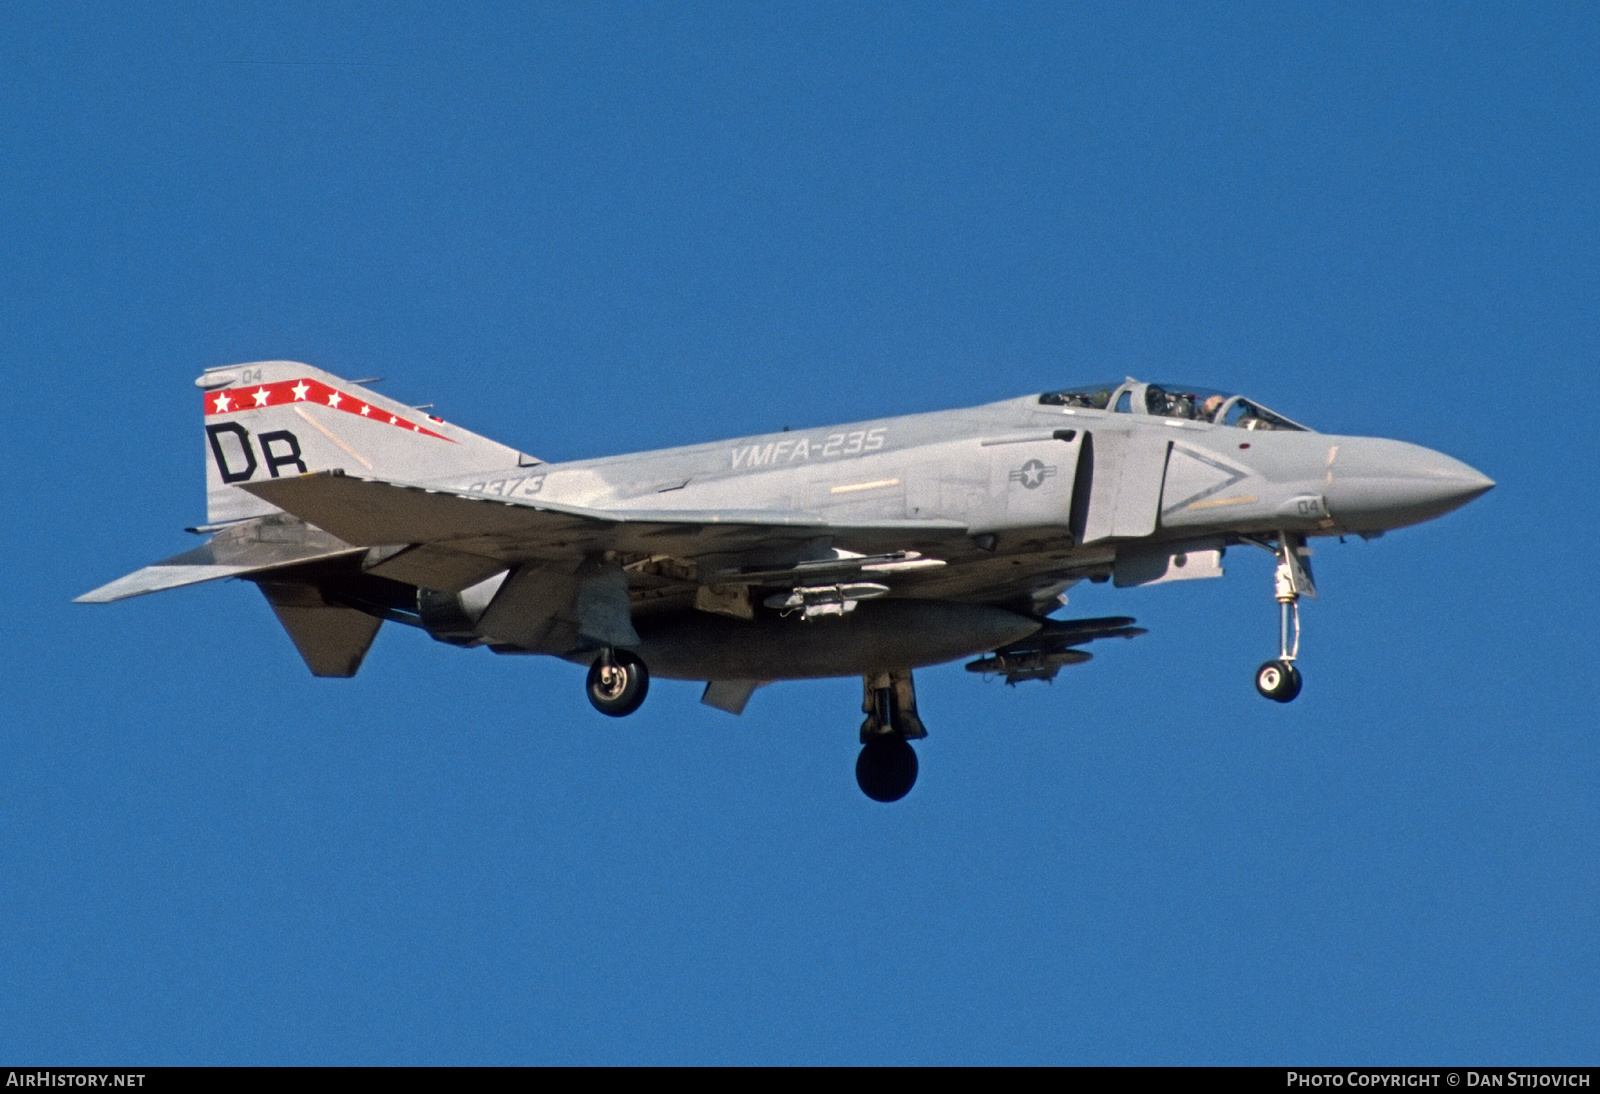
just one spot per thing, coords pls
(1279, 679)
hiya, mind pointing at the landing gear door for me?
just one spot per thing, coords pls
(1030, 481)
(1125, 471)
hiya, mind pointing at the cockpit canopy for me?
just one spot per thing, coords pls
(1195, 404)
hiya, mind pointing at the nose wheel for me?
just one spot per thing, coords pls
(618, 683)
(1278, 680)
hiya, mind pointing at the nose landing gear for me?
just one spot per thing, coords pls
(886, 770)
(1278, 679)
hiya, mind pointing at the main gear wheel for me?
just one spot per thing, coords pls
(618, 683)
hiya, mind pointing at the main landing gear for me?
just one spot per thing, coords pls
(886, 770)
(1278, 679)
(618, 682)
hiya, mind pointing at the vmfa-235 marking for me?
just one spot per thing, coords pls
(869, 549)
(788, 450)
(747, 457)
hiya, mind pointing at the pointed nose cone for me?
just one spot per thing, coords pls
(1374, 484)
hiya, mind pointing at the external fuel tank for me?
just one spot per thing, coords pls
(878, 636)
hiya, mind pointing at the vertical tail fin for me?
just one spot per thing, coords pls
(268, 419)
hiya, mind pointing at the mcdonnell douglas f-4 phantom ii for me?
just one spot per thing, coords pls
(870, 549)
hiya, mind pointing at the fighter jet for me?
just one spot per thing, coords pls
(870, 549)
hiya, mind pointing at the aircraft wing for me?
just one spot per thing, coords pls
(450, 540)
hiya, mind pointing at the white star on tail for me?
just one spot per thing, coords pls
(222, 403)
(261, 396)
(334, 398)
(300, 390)
(366, 410)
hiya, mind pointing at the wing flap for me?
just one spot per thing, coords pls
(730, 695)
(534, 610)
(435, 567)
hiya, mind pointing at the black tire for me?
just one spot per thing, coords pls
(618, 689)
(886, 770)
(1278, 681)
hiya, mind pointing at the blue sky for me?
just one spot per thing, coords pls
(593, 228)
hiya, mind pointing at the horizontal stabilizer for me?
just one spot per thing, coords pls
(171, 574)
(253, 547)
